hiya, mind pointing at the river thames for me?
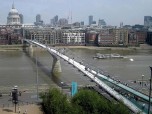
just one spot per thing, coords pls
(17, 68)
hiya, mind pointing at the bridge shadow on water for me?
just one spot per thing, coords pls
(47, 72)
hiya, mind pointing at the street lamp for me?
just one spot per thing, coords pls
(150, 91)
(37, 76)
(142, 79)
(15, 96)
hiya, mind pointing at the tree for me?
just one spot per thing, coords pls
(89, 101)
(92, 103)
(55, 102)
(118, 108)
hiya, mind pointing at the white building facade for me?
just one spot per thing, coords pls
(73, 37)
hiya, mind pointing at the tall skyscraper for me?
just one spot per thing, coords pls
(38, 18)
(52, 22)
(38, 22)
(90, 19)
(121, 24)
(56, 19)
(21, 18)
(148, 21)
(82, 23)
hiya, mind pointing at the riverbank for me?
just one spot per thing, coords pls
(20, 47)
(11, 47)
(142, 46)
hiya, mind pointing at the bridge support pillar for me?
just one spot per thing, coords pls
(31, 50)
(56, 67)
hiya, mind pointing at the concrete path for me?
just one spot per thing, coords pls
(31, 109)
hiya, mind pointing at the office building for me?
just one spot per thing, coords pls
(141, 35)
(106, 38)
(38, 22)
(43, 35)
(73, 37)
(21, 18)
(132, 38)
(90, 19)
(38, 18)
(54, 21)
(63, 22)
(76, 24)
(148, 21)
(82, 23)
(101, 22)
(149, 38)
(120, 36)
(91, 38)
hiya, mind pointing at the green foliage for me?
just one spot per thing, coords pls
(118, 108)
(90, 102)
(55, 102)
(84, 102)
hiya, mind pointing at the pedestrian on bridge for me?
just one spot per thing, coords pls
(143, 106)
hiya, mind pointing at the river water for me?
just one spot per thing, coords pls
(17, 68)
(124, 69)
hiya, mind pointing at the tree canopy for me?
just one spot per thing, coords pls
(55, 102)
(84, 102)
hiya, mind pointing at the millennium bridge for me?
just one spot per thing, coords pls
(94, 76)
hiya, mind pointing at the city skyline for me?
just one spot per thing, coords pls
(113, 11)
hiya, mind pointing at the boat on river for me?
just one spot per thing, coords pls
(107, 56)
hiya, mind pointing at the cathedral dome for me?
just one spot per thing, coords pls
(13, 16)
(13, 11)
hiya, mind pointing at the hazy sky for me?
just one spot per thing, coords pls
(112, 11)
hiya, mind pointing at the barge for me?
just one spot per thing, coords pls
(107, 56)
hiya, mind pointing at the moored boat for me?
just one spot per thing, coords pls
(106, 56)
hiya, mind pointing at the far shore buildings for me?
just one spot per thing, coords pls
(113, 37)
(56, 36)
(62, 33)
